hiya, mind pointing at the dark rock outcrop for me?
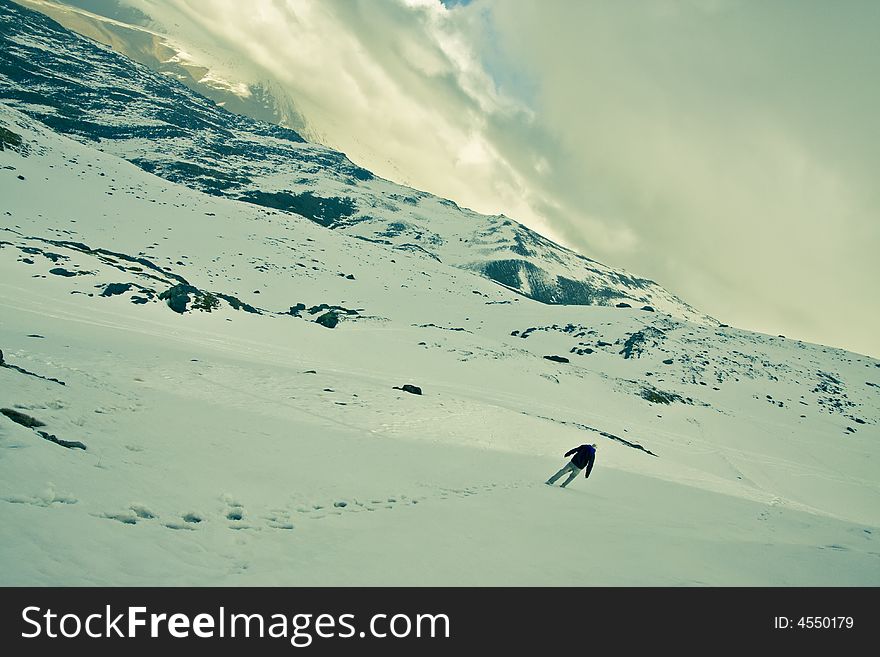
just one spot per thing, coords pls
(238, 304)
(637, 342)
(656, 396)
(24, 371)
(329, 319)
(337, 309)
(324, 211)
(177, 297)
(407, 387)
(23, 419)
(9, 139)
(61, 271)
(183, 297)
(113, 289)
(69, 444)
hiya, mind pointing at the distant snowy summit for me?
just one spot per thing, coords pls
(94, 94)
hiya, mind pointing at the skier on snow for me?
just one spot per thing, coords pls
(584, 457)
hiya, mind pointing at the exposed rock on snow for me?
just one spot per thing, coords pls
(116, 288)
(9, 139)
(639, 341)
(61, 271)
(656, 396)
(29, 422)
(23, 419)
(408, 387)
(329, 319)
(69, 444)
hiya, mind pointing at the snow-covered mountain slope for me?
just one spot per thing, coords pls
(130, 32)
(93, 94)
(243, 441)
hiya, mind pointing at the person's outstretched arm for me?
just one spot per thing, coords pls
(571, 451)
(590, 465)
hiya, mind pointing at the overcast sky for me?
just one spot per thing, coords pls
(729, 150)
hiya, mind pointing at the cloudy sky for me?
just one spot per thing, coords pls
(728, 149)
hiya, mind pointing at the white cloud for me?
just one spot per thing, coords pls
(395, 85)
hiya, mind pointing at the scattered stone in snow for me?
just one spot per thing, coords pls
(406, 387)
(61, 271)
(445, 328)
(557, 359)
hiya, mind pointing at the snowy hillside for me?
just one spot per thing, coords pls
(97, 96)
(244, 441)
(129, 32)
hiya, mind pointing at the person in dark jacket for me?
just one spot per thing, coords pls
(584, 457)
